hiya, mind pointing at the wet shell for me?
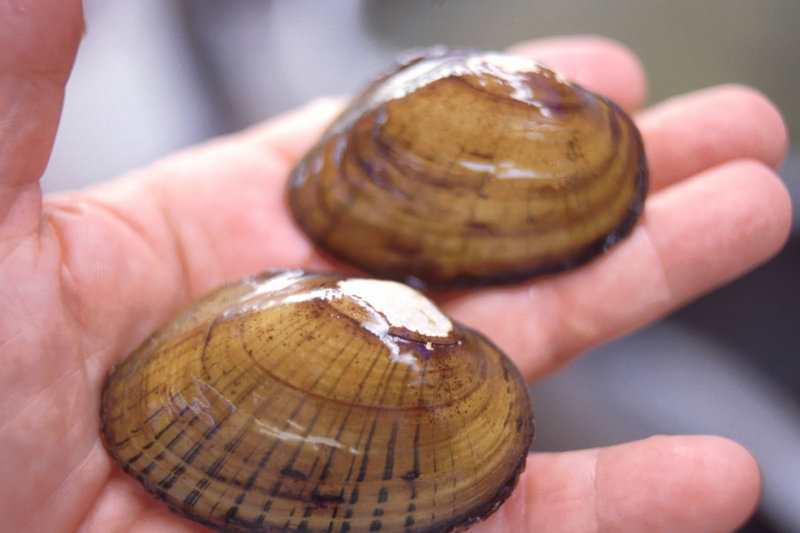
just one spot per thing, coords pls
(460, 168)
(307, 402)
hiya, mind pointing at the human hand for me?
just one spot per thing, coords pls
(86, 276)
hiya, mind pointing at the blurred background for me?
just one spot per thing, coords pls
(154, 76)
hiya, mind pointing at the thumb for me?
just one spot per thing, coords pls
(39, 39)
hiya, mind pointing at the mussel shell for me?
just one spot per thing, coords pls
(309, 402)
(462, 168)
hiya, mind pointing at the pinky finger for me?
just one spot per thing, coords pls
(688, 484)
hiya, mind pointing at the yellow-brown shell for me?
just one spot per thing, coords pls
(460, 168)
(317, 403)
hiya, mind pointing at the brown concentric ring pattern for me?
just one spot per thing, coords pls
(304, 402)
(459, 168)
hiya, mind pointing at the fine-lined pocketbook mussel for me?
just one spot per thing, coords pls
(314, 402)
(461, 168)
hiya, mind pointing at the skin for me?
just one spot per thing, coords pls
(87, 276)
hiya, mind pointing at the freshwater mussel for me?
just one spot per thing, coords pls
(461, 168)
(295, 401)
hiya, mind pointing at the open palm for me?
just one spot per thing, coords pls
(84, 277)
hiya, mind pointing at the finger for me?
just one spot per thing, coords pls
(693, 237)
(694, 132)
(38, 40)
(598, 64)
(689, 484)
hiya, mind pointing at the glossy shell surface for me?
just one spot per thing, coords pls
(461, 168)
(308, 402)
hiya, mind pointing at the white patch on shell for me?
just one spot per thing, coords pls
(401, 305)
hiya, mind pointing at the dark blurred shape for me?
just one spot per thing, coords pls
(758, 315)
